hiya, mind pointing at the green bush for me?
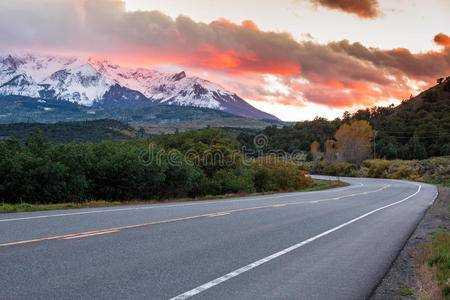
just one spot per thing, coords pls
(377, 168)
(272, 174)
(263, 178)
(40, 173)
(238, 180)
(345, 169)
(403, 172)
(330, 170)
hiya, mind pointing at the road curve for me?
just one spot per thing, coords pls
(332, 244)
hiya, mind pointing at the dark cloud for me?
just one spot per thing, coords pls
(421, 66)
(361, 8)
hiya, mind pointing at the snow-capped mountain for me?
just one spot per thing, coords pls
(99, 83)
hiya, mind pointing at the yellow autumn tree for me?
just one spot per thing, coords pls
(330, 152)
(315, 151)
(315, 155)
(354, 141)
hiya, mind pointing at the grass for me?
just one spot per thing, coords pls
(23, 207)
(26, 207)
(319, 184)
(434, 266)
(406, 292)
(438, 180)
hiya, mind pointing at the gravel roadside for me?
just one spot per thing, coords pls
(402, 279)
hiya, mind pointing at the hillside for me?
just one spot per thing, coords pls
(416, 129)
(164, 119)
(438, 93)
(156, 119)
(81, 131)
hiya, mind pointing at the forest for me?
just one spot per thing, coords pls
(190, 164)
(75, 131)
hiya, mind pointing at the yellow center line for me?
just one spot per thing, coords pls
(215, 214)
(90, 234)
(218, 214)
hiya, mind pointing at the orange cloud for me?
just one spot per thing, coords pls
(250, 24)
(442, 40)
(239, 56)
(217, 60)
(245, 24)
(335, 84)
(235, 62)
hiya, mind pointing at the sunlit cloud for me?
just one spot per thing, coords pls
(442, 40)
(262, 66)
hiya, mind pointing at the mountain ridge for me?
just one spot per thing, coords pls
(99, 83)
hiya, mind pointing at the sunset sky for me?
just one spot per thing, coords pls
(295, 59)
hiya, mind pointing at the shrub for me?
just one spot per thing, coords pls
(345, 169)
(234, 181)
(263, 179)
(279, 175)
(330, 170)
(377, 168)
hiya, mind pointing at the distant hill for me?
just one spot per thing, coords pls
(164, 119)
(418, 128)
(66, 132)
(155, 119)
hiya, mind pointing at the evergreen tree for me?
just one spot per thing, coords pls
(416, 148)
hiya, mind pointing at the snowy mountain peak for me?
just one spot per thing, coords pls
(9, 63)
(82, 84)
(92, 81)
(179, 76)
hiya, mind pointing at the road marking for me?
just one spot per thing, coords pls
(215, 214)
(219, 214)
(176, 205)
(91, 234)
(255, 264)
(50, 238)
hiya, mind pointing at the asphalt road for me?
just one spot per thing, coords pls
(332, 244)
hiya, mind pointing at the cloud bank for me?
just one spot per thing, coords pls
(260, 65)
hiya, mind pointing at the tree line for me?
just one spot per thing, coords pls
(38, 171)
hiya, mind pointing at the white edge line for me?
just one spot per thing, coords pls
(255, 264)
(166, 206)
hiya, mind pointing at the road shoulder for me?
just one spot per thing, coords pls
(403, 280)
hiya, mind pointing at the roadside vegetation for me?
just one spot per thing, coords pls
(432, 256)
(433, 267)
(191, 164)
(435, 170)
(316, 185)
(346, 155)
